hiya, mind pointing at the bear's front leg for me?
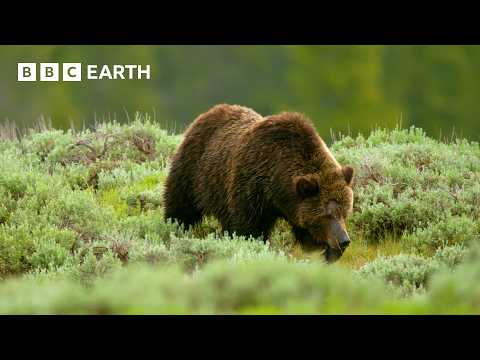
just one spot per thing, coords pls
(242, 224)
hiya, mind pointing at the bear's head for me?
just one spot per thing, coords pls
(324, 200)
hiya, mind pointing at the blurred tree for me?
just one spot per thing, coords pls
(436, 86)
(343, 88)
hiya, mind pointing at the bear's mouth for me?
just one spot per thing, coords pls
(309, 244)
(330, 254)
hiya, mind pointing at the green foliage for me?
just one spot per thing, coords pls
(15, 246)
(451, 256)
(255, 287)
(406, 181)
(458, 291)
(450, 231)
(222, 287)
(408, 273)
(82, 231)
(193, 252)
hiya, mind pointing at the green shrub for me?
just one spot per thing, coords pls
(50, 146)
(452, 230)
(32, 296)
(406, 273)
(95, 261)
(410, 274)
(405, 181)
(52, 247)
(451, 256)
(27, 247)
(79, 212)
(193, 253)
(15, 246)
(152, 228)
(221, 287)
(457, 291)
(81, 225)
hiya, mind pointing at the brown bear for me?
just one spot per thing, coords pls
(248, 171)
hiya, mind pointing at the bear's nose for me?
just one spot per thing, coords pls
(344, 240)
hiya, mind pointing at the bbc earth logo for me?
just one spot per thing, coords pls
(73, 72)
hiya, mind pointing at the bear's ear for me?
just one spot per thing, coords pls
(348, 174)
(306, 186)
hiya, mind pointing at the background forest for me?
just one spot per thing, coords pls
(348, 89)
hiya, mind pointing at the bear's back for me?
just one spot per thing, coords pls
(220, 132)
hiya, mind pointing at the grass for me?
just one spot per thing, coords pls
(82, 231)
(129, 199)
(362, 252)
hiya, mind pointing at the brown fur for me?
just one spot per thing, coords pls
(248, 171)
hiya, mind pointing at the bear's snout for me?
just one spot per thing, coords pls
(344, 240)
(338, 236)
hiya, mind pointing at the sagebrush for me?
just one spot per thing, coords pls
(82, 231)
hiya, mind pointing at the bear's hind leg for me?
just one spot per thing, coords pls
(188, 216)
(180, 205)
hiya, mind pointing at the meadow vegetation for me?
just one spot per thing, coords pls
(82, 231)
